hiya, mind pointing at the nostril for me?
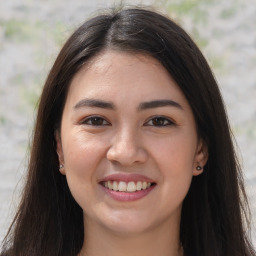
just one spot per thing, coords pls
(126, 156)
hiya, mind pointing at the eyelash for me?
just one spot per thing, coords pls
(164, 121)
(89, 121)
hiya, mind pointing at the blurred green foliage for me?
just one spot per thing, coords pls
(228, 13)
(193, 15)
(2, 120)
(42, 37)
(23, 30)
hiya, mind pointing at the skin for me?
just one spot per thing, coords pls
(159, 142)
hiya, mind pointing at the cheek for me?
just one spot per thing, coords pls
(176, 154)
(82, 156)
(174, 158)
(82, 152)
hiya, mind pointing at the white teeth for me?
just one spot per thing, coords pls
(115, 185)
(110, 185)
(122, 186)
(131, 186)
(139, 185)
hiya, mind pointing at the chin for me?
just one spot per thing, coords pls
(128, 229)
(127, 224)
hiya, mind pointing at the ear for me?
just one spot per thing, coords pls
(60, 152)
(201, 158)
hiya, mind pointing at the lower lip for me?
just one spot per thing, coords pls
(128, 196)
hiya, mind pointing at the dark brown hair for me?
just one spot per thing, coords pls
(49, 222)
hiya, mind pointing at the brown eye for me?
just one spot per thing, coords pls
(159, 121)
(95, 121)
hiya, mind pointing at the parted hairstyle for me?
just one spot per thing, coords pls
(215, 211)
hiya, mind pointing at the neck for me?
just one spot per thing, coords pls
(162, 241)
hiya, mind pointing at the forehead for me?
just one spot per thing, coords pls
(118, 64)
(108, 60)
(115, 75)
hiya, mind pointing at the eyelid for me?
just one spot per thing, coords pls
(170, 121)
(89, 119)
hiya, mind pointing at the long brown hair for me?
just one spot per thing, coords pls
(49, 221)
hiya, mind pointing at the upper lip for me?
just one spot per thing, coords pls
(127, 177)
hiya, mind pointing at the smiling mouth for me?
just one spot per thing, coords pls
(129, 187)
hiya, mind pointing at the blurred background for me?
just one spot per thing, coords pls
(33, 31)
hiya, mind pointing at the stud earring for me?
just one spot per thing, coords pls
(61, 166)
(198, 168)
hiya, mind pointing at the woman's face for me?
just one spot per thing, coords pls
(128, 143)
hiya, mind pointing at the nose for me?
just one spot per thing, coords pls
(127, 149)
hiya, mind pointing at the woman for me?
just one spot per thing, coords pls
(132, 151)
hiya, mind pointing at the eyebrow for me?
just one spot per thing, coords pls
(95, 103)
(158, 104)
